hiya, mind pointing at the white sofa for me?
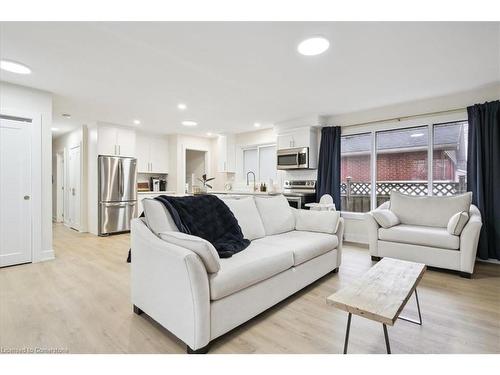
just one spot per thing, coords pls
(199, 299)
(422, 235)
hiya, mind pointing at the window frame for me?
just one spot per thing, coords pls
(373, 129)
(255, 147)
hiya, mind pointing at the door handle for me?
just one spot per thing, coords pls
(26, 197)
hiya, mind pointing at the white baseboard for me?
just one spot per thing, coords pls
(47, 255)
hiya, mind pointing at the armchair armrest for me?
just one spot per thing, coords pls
(340, 237)
(372, 229)
(170, 284)
(469, 239)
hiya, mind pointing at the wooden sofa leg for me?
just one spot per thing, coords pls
(375, 259)
(335, 270)
(203, 350)
(137, 310)
(466, 275)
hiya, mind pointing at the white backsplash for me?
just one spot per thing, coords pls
(300, 174)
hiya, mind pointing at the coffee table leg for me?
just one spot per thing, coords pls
(419, 321)
(386, 335)
(347, 332)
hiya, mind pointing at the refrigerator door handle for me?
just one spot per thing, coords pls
(120, 178)
(119, 204)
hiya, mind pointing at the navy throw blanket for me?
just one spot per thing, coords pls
(208, 217)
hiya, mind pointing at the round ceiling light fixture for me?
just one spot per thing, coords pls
(181, 106)
(137, 122)
(257, 124)
(189, 123)
(66, 115)
(14, 67)
(313, 46)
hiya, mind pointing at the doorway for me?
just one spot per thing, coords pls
(15, 192)
(73, 187)
(196, 164)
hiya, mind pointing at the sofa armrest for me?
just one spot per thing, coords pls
(170, 284)
(372, 229)
(340, 237)
(469, 239)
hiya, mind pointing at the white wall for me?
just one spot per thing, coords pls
(178, 144)
(64, 143)
(30, 103)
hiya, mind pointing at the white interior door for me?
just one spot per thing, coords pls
(15, 192)
(74, 188)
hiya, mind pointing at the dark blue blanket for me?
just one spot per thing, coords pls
(208, 217)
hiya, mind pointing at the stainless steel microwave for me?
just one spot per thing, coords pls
(293, 158)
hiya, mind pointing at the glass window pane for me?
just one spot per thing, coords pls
(250, 162)
(449, 168)
(267, 163)
(402, 162)
(355, 173)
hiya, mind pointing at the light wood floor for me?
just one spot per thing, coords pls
(80, 302)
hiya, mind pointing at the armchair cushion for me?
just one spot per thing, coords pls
(457, 223)
(317, 221)
(204, 249)
(420, 235)
(428, 211)
(385, 218)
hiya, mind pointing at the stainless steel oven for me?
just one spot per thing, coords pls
(293, 158)
(299, 192)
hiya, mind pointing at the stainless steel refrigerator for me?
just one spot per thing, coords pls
(117, 191)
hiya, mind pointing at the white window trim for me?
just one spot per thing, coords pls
(254, 147)
(387, 126)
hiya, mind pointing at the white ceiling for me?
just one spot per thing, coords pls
(231, 75)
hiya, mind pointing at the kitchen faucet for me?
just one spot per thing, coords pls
(248, 183)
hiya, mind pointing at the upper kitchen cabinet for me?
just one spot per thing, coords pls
(152, 153)
(118, 141)
(226, 153)
(298, 138)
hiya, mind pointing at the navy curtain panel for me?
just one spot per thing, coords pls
(329, 165)
(483, 173)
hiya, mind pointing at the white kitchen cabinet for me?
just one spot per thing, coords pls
(302, 137)
(115, 141)
(152, 154)
(226, 154)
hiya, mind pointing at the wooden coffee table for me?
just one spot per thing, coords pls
(380, 294)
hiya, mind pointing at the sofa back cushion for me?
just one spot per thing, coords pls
(245, 211)
(158, 219)
(428, 211)
(276, 214)
(317, 221)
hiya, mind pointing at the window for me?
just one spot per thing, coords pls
(401, 159)
(449, 170)
(402, 162)
(262, 161)
(355, 172)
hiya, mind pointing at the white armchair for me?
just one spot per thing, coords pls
(422, 235)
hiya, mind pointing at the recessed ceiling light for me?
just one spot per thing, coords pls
(181, 106)
(14, 67)
(189, 123)
(67, 115)
(415, 135)
(313, 46)
(54, 129)
(209, 134)
(137, 122)
(257, 125)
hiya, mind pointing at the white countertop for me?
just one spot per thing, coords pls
(243, 192)
(156, 192)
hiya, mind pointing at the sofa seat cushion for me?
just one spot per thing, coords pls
(256, 263)
(420, 235)
(305, 245)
